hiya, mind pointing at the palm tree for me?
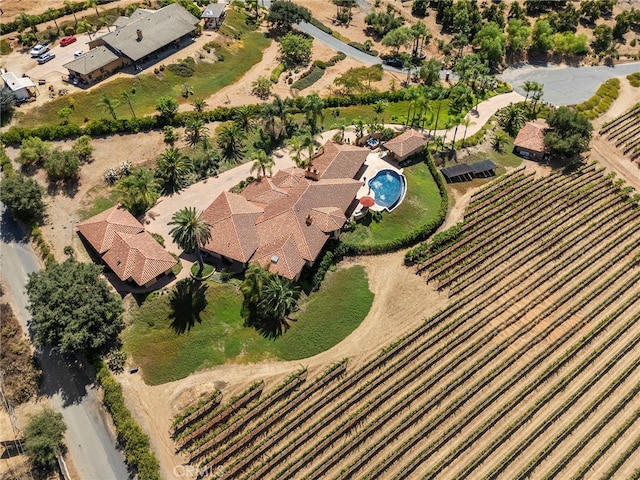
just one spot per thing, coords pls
(243, 118)
(466, 122)
(499, 139)
(263, 163)
(199, 105)
(109, 105)
(278, 299)
(341, 125)
(313, 109)
(231, 141)
(411, 94)
(310, 143)
(50, 14)
(296, 147)
(379, 107)
(173, 169)
(71, 7)
(422, 108)
(251, 289)
(358, 126)
(528, 86)
(92, 4)
(195, 131)
(268, 117)
(512, 118)
(127, 97)
(281, 109)
(421, 36)
(138, 191)
(438, 94)
(190, 232)
(84, 26)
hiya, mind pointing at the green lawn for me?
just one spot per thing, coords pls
(168, 349)
(145, 90)
(396, 112)
(419, 207)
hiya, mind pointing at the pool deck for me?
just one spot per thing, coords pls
(377, 160)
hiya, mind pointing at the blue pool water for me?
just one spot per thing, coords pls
(389, 187)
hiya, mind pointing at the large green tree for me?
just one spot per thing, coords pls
(23, 196)
(512, 118)
(62, 165)
(43, 438)
(190, 232)
(295, 50)
(541, 37)
(398, 38)
(138, 191)
(7, 104)
(283, 14)
(569, 135)
(73, 307)
(491, 42)
(33, 151)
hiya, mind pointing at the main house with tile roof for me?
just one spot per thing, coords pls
(529, 143)
(131, 253)
(283, 222)
(136, 39)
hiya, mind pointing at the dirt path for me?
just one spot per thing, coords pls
(402, 301)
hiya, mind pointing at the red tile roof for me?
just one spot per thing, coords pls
(531, 137)
(407, 143)
(284, 221)
(128, 250)
(338, 160)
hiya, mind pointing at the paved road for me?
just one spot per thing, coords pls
(564, 85)
(65, 382)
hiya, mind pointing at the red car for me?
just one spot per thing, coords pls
(67, 41)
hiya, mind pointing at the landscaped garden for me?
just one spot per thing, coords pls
(197, 326)
(421, 206)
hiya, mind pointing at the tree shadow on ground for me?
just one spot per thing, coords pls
(187, 300)
(272, 328)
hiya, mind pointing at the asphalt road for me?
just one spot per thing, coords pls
(564, 85)
(66, 383)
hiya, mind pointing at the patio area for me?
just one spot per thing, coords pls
(376, 162)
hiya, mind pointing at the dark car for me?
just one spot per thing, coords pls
(394, 62)
(46, 57)
(67, 41)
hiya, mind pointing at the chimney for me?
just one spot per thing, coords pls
(309, 219)
(139, 33)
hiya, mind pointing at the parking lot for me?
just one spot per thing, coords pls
(55, 67)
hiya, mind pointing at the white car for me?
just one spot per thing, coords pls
(39, 50)
(77, 54)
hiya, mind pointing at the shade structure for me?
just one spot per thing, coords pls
(367, 201)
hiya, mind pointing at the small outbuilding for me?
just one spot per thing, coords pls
(408, 143)
(213, 15)
(529, 142)
(21, 87)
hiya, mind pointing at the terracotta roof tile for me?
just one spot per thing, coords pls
(531, 137)
(339, 160)
(289, 262)
(100, 230)
(263, 191)
(138, 257)
(408, 142)
(328, 219)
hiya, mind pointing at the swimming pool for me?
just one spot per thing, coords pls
(389, 187)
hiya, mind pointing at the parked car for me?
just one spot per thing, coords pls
(46, 57)
(39, 50)
(77, 54)
(394, 62)
(67, 41)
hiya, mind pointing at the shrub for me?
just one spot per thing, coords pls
(363, 48)
(634, 79)
(601, 100)
(131, 437)
(184, 68)
(318, 24)
(275, 74)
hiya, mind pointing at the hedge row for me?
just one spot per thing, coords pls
(55, 14)
(106, 126)
(309, 77)
(601, 100)
(362, 48)
(421, 232)
(133, 440)
(275, 74)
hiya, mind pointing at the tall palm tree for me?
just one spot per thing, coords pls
(499, 139)
(282, 109)
(410, 95)
(84, 26)
(296, 147)
(71, 7)
(127, 97)
(51, 14)
(310, 143)
(138, 191)
(92, 4)
(313, 109)
(268, 116)
(231, 141)
(195, 131)
(466, 122)
(173, 168)
(438, 94)
(359, 127)
(421, 36)
(528, 86)
(109, 104)
(379, 107)
(422, 108)
(251, 288)
(263, 163)
(190, 232)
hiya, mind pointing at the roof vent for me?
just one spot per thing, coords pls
(275, 259)
(309, 219)
(139, 33)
